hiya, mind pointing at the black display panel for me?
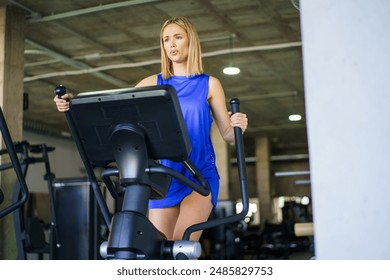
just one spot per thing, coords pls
(155, 110)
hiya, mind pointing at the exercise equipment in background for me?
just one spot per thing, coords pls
(29, 229)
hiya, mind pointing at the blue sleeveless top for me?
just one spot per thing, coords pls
(192, 93)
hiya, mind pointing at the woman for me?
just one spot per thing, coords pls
(202, 99)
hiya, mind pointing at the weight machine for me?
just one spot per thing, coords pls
(127, 132)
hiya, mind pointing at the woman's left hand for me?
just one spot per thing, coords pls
(239, 120)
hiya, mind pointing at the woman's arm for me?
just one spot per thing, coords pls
(224, 120)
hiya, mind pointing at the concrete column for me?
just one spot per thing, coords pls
(12, 22)
(263, 179)
(346, 46)
(223, 161)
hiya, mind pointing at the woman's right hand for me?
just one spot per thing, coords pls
(62, 102)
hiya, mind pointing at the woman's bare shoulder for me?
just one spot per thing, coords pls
(148, 81)
(215, 87)
(214, 82)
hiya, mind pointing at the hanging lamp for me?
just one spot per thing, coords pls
(231, 69)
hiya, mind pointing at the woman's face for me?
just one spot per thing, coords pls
(175, 41)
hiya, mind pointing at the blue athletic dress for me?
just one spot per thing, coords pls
(192, 93)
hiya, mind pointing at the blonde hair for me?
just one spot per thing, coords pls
(194, 60)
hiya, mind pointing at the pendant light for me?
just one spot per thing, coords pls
(231, 69)
(294, 117)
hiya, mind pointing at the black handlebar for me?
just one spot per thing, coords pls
(24, 193)
(1, 196)
(60, 91)
(235, 103)
(203, 189)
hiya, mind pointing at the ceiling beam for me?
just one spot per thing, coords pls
(89, 10)
(77, 64)
(87, 69)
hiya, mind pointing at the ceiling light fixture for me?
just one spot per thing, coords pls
(231, 69)
(294, 117)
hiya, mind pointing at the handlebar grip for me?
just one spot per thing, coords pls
(60, 90)
(235, 103)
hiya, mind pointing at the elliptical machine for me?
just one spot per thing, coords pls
(24, 193)
(133, 129)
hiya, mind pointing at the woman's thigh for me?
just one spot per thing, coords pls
(164, 219)
(194, 209)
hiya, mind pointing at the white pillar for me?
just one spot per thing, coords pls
(346, 55)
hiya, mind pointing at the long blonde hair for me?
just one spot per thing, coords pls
(194, 60)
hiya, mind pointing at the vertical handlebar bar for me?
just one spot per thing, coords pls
(60, 91)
